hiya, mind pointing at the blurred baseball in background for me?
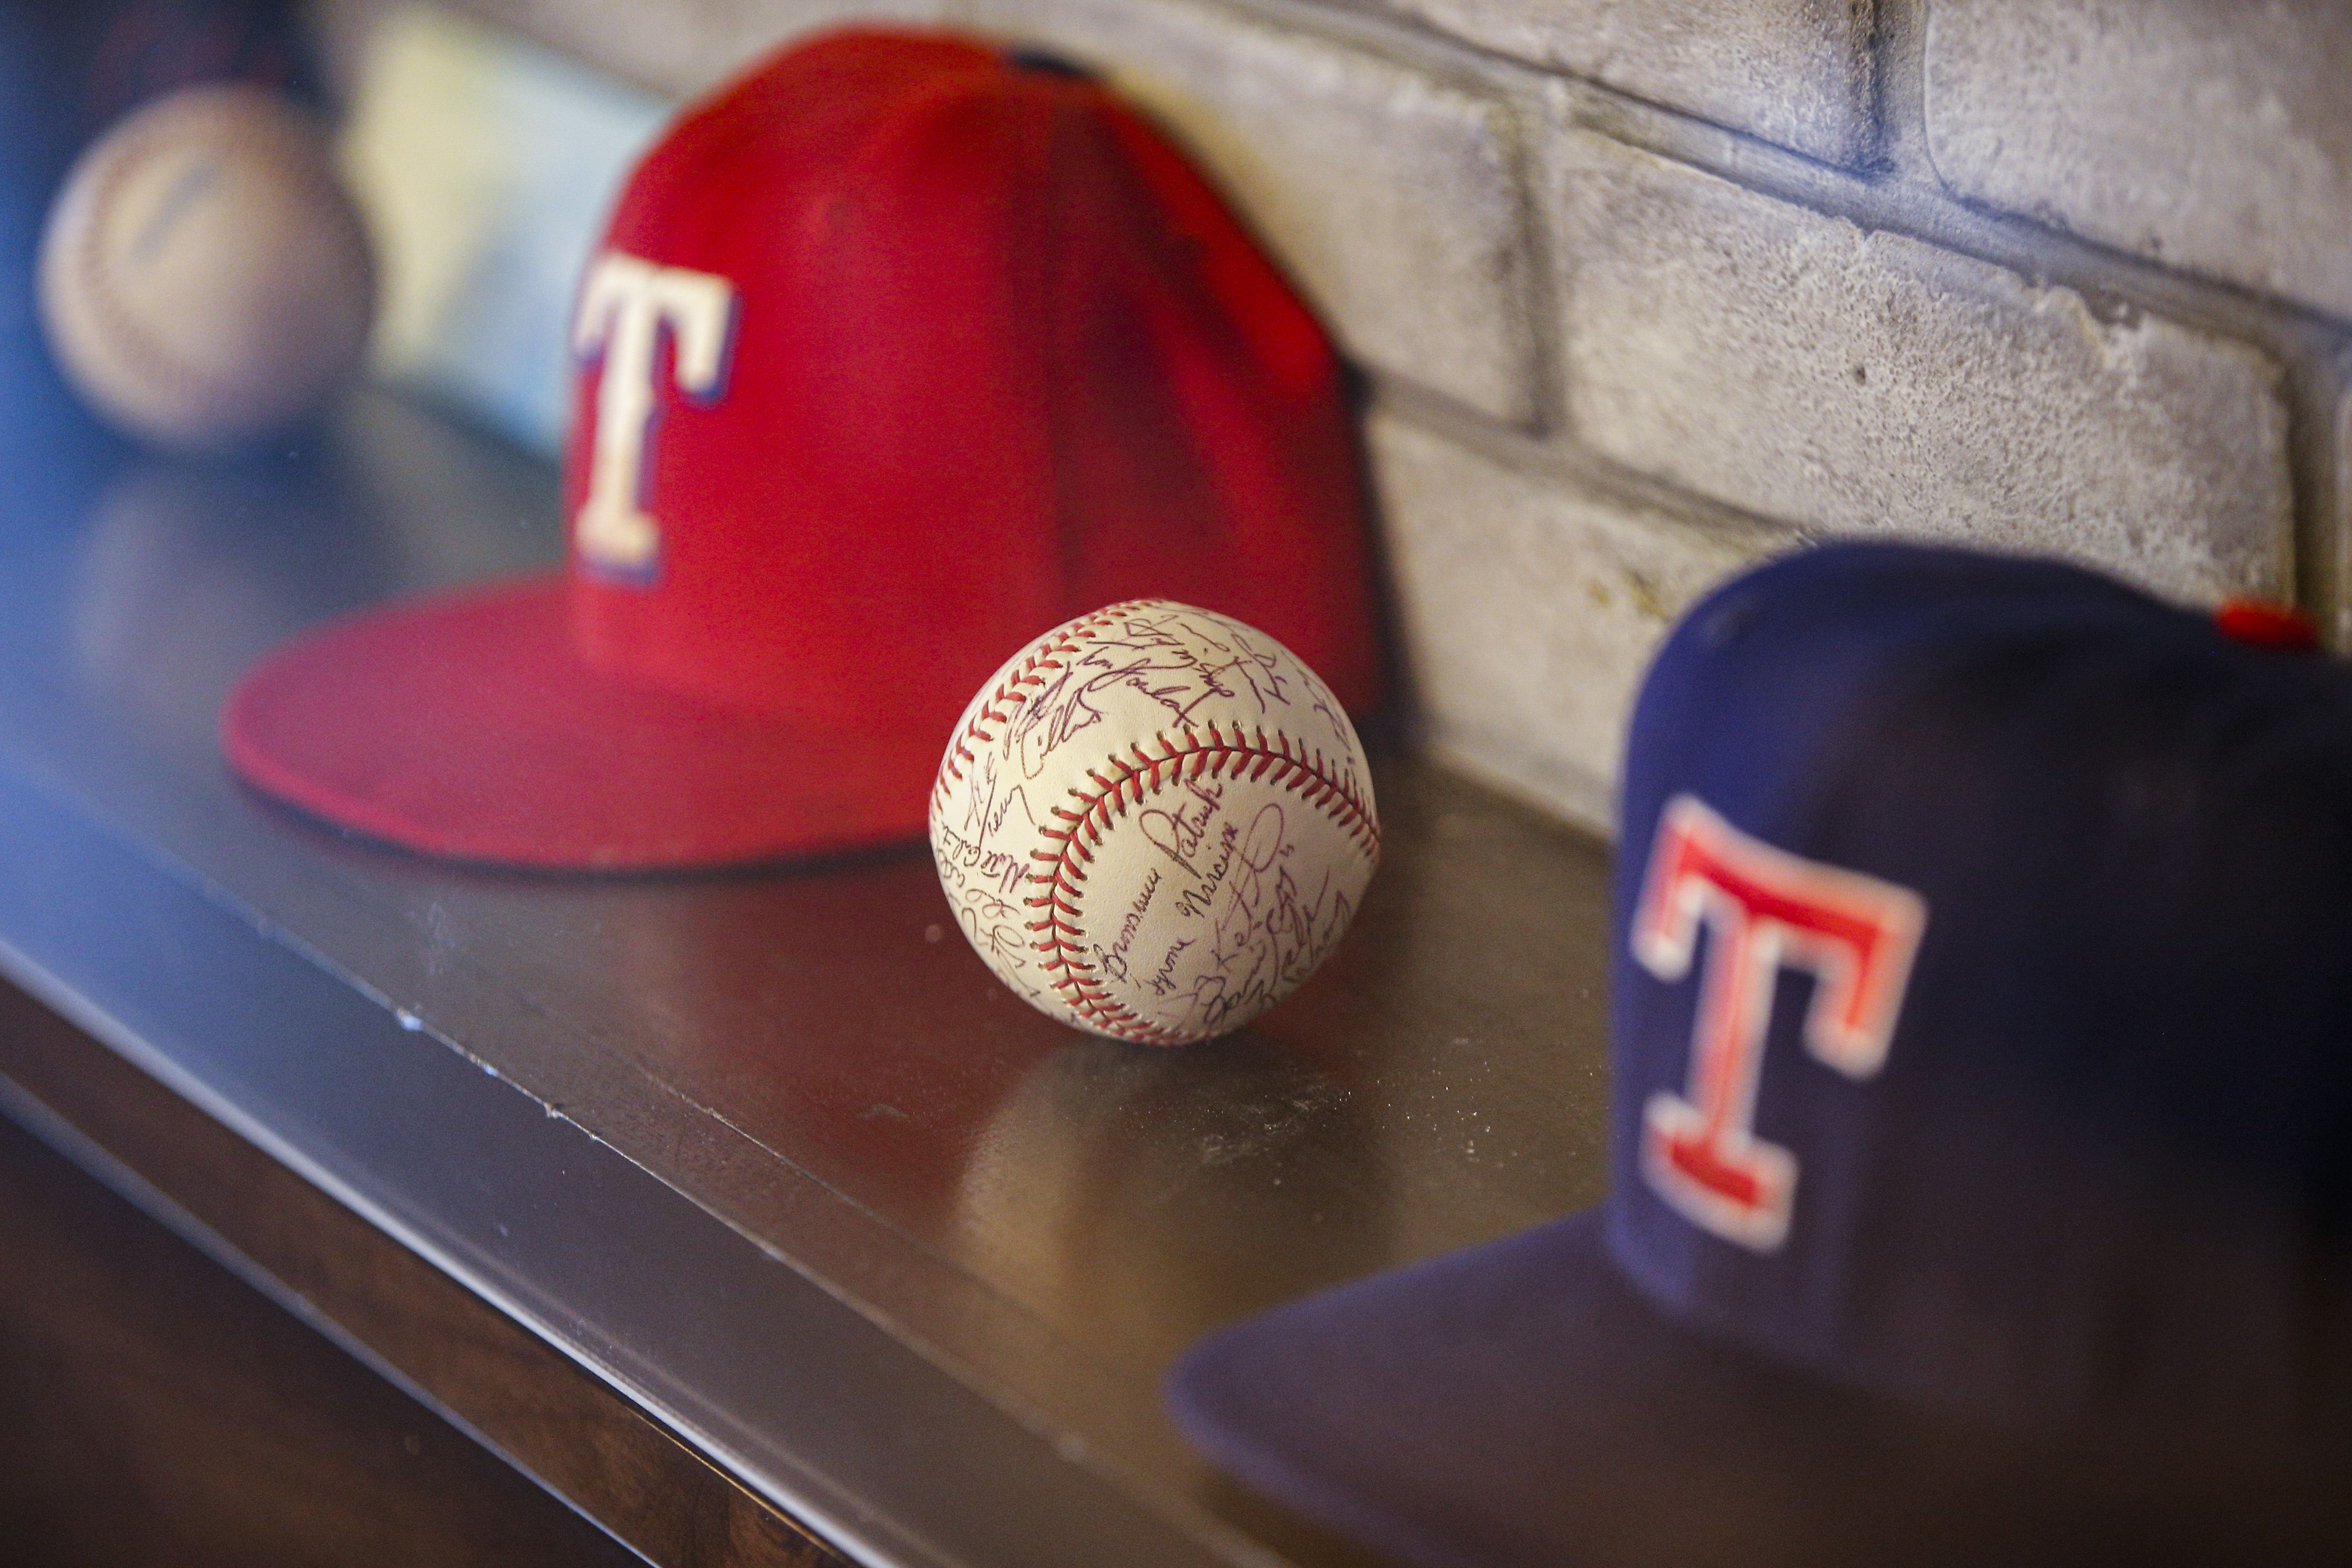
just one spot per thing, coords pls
(204, 281)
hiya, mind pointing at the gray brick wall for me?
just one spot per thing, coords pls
(2208, 134)
(1528, 605)
(1801, 367)
(1798, 72)
(1647, 289)
(1320, 144)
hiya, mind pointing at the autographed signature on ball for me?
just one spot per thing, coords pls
(1154, 823)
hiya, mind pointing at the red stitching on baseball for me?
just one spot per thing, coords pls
(1012, 688)
(1295, 770)
(125, 332)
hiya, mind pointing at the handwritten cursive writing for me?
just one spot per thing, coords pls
(1177, 832)
(1164, 983)
(1164, 659)
(1112, 960)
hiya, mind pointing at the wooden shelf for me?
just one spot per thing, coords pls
(716, 1202)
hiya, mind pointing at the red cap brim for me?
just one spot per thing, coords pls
(468, 726)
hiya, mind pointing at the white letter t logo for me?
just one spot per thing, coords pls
(623, 305)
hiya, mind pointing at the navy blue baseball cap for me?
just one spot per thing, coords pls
(1981, 1134)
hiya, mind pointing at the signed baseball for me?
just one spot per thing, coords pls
(203, 278)
(1154, 823)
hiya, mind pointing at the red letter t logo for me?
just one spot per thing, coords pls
(1767, 910)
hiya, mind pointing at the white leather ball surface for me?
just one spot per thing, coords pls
(204, 281)
(1154, 823)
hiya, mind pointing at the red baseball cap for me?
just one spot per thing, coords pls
(897, 351)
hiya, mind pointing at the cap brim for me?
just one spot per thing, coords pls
(467, 726)
(1521, 1404)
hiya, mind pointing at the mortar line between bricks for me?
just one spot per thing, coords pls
(1901, 200)
(1901, 194)
(2019, 245)
(1365, 26)
(1532, 456)
(1412, 46)
(1522, 360)
(1895, 200)
(1540, 286)
(1898, 47)
(2316, 458)
(2308, 349)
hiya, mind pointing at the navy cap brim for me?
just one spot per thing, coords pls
(1521, 1404)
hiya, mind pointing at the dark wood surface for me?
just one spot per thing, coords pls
(771, 1148)
(155, 1408)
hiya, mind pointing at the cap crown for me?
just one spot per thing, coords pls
(924, 350)
(2075, 1135)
